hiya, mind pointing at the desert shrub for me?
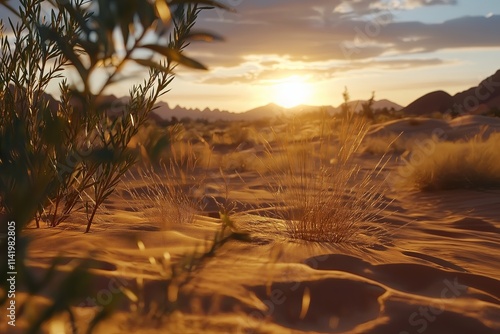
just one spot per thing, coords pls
(384, 115)
(151, 140)
(239, 162)
(367, 108)
(171, 195)
(437, 115)
(234, 134)
(379, 145)
(463, 164)
(155, 142)
(71, 155)
(30, 128)
(322, 193)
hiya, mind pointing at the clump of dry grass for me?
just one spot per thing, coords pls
(168, 194)
(324, 195)
(463, 164)
(233, 134)
(390, 143)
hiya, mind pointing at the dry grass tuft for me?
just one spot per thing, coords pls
(169, 194)
(450, 165)
(323, 193)
(391, 143)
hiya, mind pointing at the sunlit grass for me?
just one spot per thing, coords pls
(323, 193)
(391, 143)
(464, 164)
(168, 194)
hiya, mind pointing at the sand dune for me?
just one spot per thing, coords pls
(463, 127)
(436, 270)
(439, 274)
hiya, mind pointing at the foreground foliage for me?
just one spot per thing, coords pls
(71, 155)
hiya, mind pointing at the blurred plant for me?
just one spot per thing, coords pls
(345, 109)
(176, 273)
(367, 108)
(234, 134)
(75, 151)
(154, 141)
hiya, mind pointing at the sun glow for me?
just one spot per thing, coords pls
(291, 92)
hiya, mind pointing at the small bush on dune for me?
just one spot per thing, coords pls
(157, 143)
(170, 197)
(451, 165)
(234, 134)
(324, 194)
(383, 144)
(169, 190)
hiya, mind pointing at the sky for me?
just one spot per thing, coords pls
(293, 52)
(306, 51)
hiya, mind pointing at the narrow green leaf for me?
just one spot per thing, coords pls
(150, 63)
(205, 2)
(204, 36)
(163, 11)
(175, 55)
(47, 33)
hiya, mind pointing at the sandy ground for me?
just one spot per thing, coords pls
(436, 271)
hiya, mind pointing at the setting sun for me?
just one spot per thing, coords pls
(291, 92)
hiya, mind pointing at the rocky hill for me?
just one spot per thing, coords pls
(475, 100)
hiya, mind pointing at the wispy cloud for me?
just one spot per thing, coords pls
(309, 30)
(266, 69)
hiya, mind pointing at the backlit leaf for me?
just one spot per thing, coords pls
(211, 3)
(204, 36)
(175, 55)
(150, 63)
(163, 11)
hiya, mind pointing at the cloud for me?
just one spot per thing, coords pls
(319, 39)
(410, 4)
(266, 69)
(322, 38)
(465, 32)
(311, 31)
(365, 7)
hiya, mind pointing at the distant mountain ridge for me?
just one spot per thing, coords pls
(479, 99)
(164, 111)
(475, 100)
